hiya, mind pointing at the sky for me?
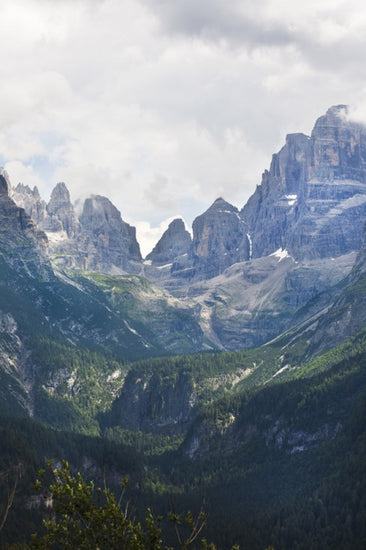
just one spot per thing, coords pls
(165, 105)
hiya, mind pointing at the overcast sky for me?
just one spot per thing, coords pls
(164, 105)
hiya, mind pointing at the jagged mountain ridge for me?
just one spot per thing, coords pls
(312, 202)
(97, 240)
(175, 242)
(247, 273)
(252, 296)
(42, 309)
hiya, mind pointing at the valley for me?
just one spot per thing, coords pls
(227, 367)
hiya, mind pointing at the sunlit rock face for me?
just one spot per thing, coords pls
(312, 201)
(23, 246)
(247, 274)
(105, 239)
(219, 239)
(31, 201)
(58, 216)
(98, 240)
(61, 211)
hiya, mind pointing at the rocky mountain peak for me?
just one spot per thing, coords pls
(339, 149)
(312, 201)
(36, 193)
(335, 117)
(23, 247)
(219, 239)
(175, 242)
(221, 206)
(99, 211)
(4, 182)
(22, 189)
(61, 212)
(105, 238)
(60, 195)
(32, 203)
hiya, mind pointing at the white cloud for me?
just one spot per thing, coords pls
(20, 173)
(357, 112)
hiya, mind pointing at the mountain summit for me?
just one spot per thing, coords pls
(312, 201)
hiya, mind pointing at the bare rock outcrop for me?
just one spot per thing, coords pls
(105, 240)
(312, 201)
(175, 242)
(219, 239)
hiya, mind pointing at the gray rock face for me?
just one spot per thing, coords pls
(23, 247)
(55, 217)
(312, 201)
(105, 239)
(219, 240)
(100, 240)
(61, 212)
(338, 147)
(4, 182)
(175, 242)
(252, 302)
(32, 203)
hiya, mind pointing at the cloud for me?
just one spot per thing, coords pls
(20, 173)
(357, 112)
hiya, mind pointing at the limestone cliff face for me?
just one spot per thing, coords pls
(99, 240)
(61, 212)
(32, 203)
(175, 242)
(338, 147)
(312, 201)
(219, 239)
(105, 239)
(57, 216)
(23, 246)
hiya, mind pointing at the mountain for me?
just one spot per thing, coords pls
(61, 212)
(94, 340)
(58, 332)
(175, 242)
(312, 201)
(247, 274)
(96, 240)
(244, 276)
(24, 247)
(219, 239)
(105, 240)
(57, 216)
